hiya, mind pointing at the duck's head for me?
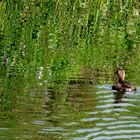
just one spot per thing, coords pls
(121, 74)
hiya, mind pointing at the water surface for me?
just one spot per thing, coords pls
(86, 110)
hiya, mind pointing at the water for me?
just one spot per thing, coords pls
(86, 110)
(44, 45)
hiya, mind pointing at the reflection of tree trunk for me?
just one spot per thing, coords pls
(79, 95)
(86, 76)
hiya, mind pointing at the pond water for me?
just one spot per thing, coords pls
(57, 60)
(86, 110)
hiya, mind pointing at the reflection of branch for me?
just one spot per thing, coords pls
(58, 8)
(121, 2)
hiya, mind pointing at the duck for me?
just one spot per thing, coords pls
(121, 85)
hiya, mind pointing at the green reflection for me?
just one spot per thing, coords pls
(56, 46)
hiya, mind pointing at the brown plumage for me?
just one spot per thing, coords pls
(122, 85)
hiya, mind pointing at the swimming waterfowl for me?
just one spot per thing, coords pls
(122, 85)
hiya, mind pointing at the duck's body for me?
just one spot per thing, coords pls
(122, 85)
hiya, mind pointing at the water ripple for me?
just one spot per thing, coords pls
(115, 105)
(117, 132)
(124, 126)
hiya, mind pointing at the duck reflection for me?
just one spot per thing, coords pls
(119, 97)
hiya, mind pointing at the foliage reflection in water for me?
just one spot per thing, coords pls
(77, 108)
(94, 112)
(69, 51)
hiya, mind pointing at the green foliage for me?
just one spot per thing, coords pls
(63, 36)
